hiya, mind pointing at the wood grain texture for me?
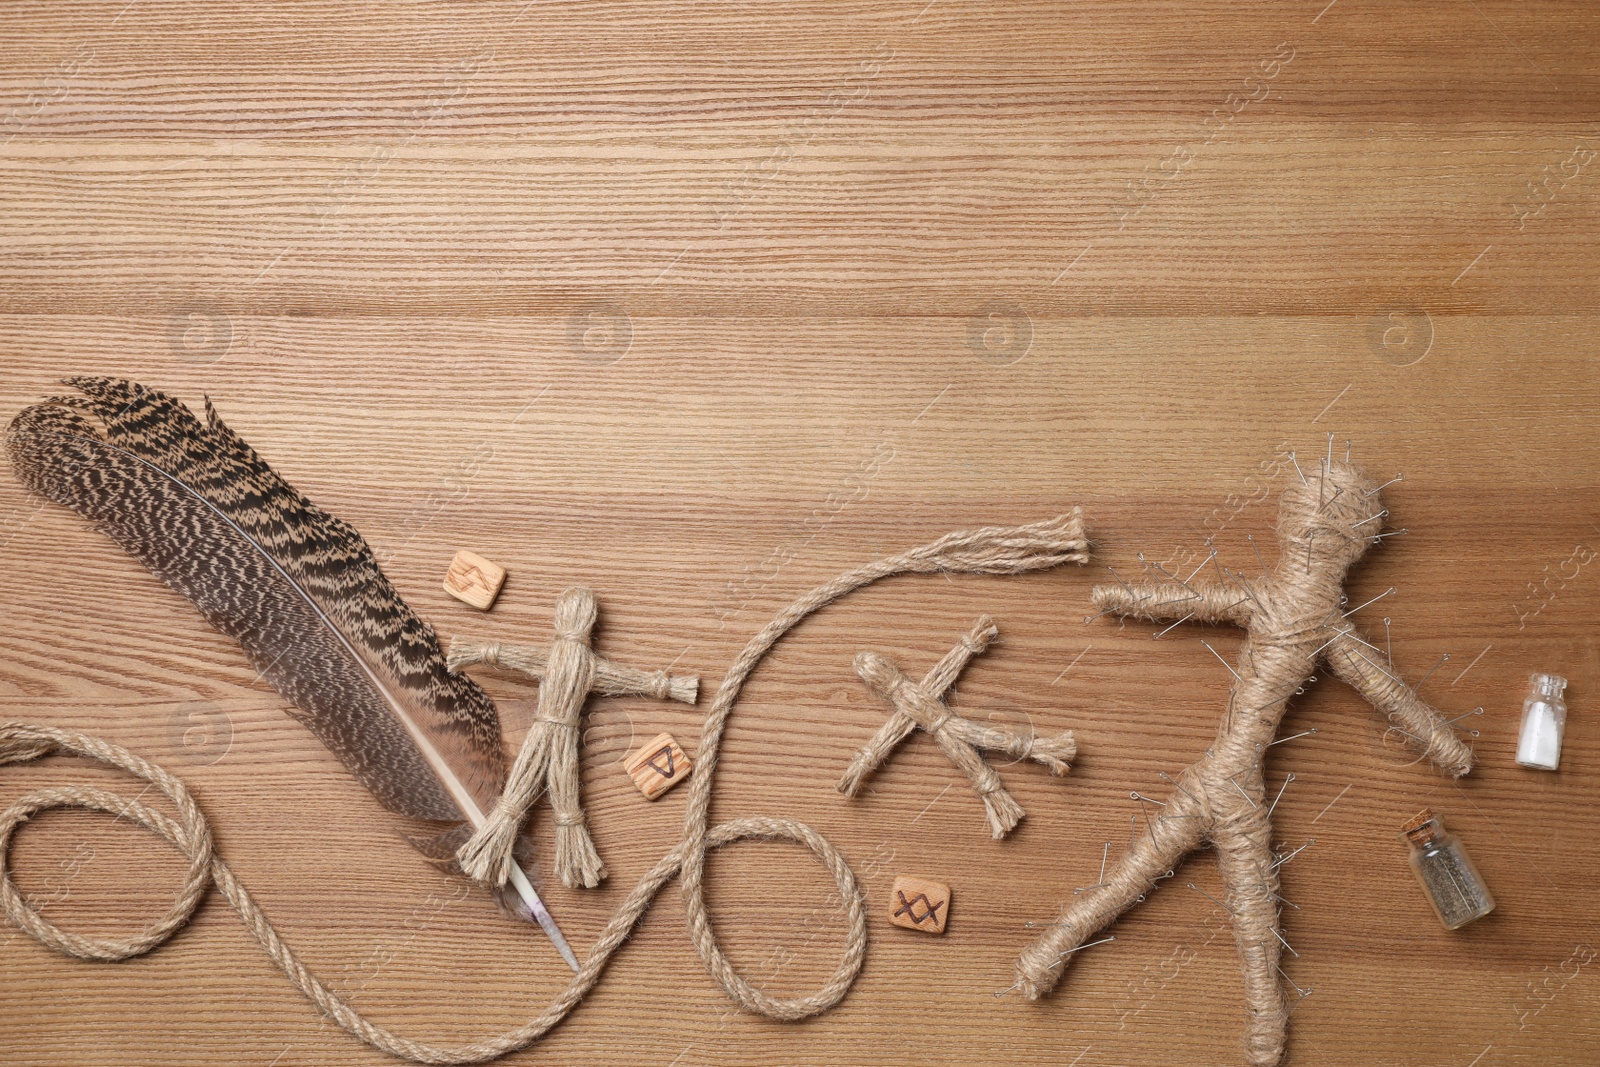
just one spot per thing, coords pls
(699, 305)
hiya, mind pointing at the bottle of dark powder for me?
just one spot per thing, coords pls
(1454, 886)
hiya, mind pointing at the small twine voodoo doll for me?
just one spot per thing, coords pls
(921, 705)
(548, 760)
(1292, 617)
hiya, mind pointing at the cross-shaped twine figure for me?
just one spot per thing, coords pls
(921, 706)
(1292, 617)
(567, 674)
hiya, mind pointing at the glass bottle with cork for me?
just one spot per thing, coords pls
(1454, 886)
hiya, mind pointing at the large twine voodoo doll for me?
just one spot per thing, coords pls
(1292, 617)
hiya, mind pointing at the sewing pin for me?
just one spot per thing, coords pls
(1397, 478)
(1186, 618)
(1336, 635)
(1374, 600)
(1173, 782)
(1211, 898)
(1285, 859)
(1242, 793)
(1285, 943)
(1220, 660)
(1103, 854)
(1168, 574)
(1458, 718)
(1391, 533)
(1120, 582)
(1291, 737)
(1064, 955)
(1297, 469)
(1370, 518)
(1388, 645)
(1442, 661)
(1252, 539)
(1279, 797)
(1304, 993)
(1218, 563)
(1148, 825)
(1080, 948)
(1247, 591)
(1087, 619)
(1357, 637)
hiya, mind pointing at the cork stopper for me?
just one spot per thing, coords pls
(1421, 829)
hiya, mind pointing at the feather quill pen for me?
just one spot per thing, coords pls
(299, 590)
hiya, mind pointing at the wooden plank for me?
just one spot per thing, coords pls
(701, 305)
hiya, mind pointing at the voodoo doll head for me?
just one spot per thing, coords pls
(1329, 520)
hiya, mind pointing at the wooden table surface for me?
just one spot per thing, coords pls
(703, 304)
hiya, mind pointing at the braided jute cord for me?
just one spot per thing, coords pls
(992, 550)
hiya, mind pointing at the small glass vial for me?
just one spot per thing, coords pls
(1455, 888)
(1544, 720)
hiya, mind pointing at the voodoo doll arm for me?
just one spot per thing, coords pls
(1169, 602)
(1350, 655)
(611, 679)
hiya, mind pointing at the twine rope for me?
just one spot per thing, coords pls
(992, 550)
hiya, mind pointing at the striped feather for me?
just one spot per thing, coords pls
(297, 588)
